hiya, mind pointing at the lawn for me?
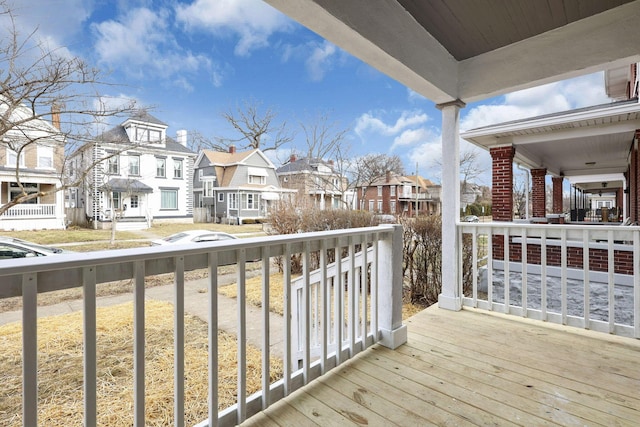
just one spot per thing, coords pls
(60, 368)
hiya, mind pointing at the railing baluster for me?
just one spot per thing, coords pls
(138, 345)
(352, 298)
(266, 342)
(242, 336)
(585, 277)
(89, 340)
(374, 289)
(490, 268)
(636, 284)
(474, 266)
(29, 350)
(611, 288)
(563, 274)
(287, 295)
(306, 318)
(339, 315)
(365, 283)
(178, 342)
(543, 274)
(524, 272)
(213, 338)
(326, 306)
(507, 278)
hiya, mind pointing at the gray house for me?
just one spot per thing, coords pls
(236, 186)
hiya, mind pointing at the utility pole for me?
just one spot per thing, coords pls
(417, 190)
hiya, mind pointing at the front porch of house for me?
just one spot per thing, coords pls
(475, 368)
(546, 358)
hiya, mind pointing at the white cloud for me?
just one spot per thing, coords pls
(252, 21)
(140, 43)
(551, 98)
(413, 96)
(321, 61)
(368, 123)
(410, 137)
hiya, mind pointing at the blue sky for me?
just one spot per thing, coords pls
(192, 60)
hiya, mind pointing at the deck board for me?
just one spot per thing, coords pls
(470, 367)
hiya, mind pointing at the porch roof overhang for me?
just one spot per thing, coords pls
(454, 49)
(590, 146)
(126, 186)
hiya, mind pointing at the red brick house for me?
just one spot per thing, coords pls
(399, 195)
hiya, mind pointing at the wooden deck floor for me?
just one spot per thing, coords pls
(472, 368)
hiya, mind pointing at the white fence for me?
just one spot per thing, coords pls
(30, 210)
(586, 276)
(29, 277)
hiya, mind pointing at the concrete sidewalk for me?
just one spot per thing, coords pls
(196, 302)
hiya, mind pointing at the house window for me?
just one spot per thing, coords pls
(379, 205)
(148, 135)
(134, 201)
(113, 165)
(45, 157)
(257, 179)
(168, 199)
(16, 191)
(177, 168)
(134, 165)
(379, 190)
(370, 205)
(393, 206)
(250, 201)
(208, 188)
(114, 200)
(233, 201)
(393, 191)
(336, 182)
(161, 167)
(221, 197)
(12, 158)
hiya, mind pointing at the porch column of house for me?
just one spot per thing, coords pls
(538, 193)
(450, 297)
(502, 182)
(557, 194)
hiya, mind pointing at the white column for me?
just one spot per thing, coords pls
(392, 332)
(450, 296)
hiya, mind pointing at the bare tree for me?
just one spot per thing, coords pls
(371, 167)
(257, 129)
(48, 99)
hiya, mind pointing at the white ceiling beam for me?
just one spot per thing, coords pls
(606, 38)
(385, 36)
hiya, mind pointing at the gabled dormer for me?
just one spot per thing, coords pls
(143, 128)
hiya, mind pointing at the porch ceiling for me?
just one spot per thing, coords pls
(578, 143)
(457, 49)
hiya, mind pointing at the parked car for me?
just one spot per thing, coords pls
(193, 236)
(10, 248)
(470, 218)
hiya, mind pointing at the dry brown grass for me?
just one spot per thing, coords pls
(169, 228)
(60, 368)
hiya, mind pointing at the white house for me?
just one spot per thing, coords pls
(140, 175)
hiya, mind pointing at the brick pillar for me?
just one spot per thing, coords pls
(538, 196)
(502, 183)
(557, 194)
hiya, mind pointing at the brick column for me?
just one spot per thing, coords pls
(502, 183)
(538, 190)
(557, 194)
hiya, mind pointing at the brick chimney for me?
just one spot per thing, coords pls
(232, 149)
(388, 177)
(292, 158)
(55, 115)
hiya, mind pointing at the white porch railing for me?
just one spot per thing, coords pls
(29, 211)
(35, 275)
(547, 271)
